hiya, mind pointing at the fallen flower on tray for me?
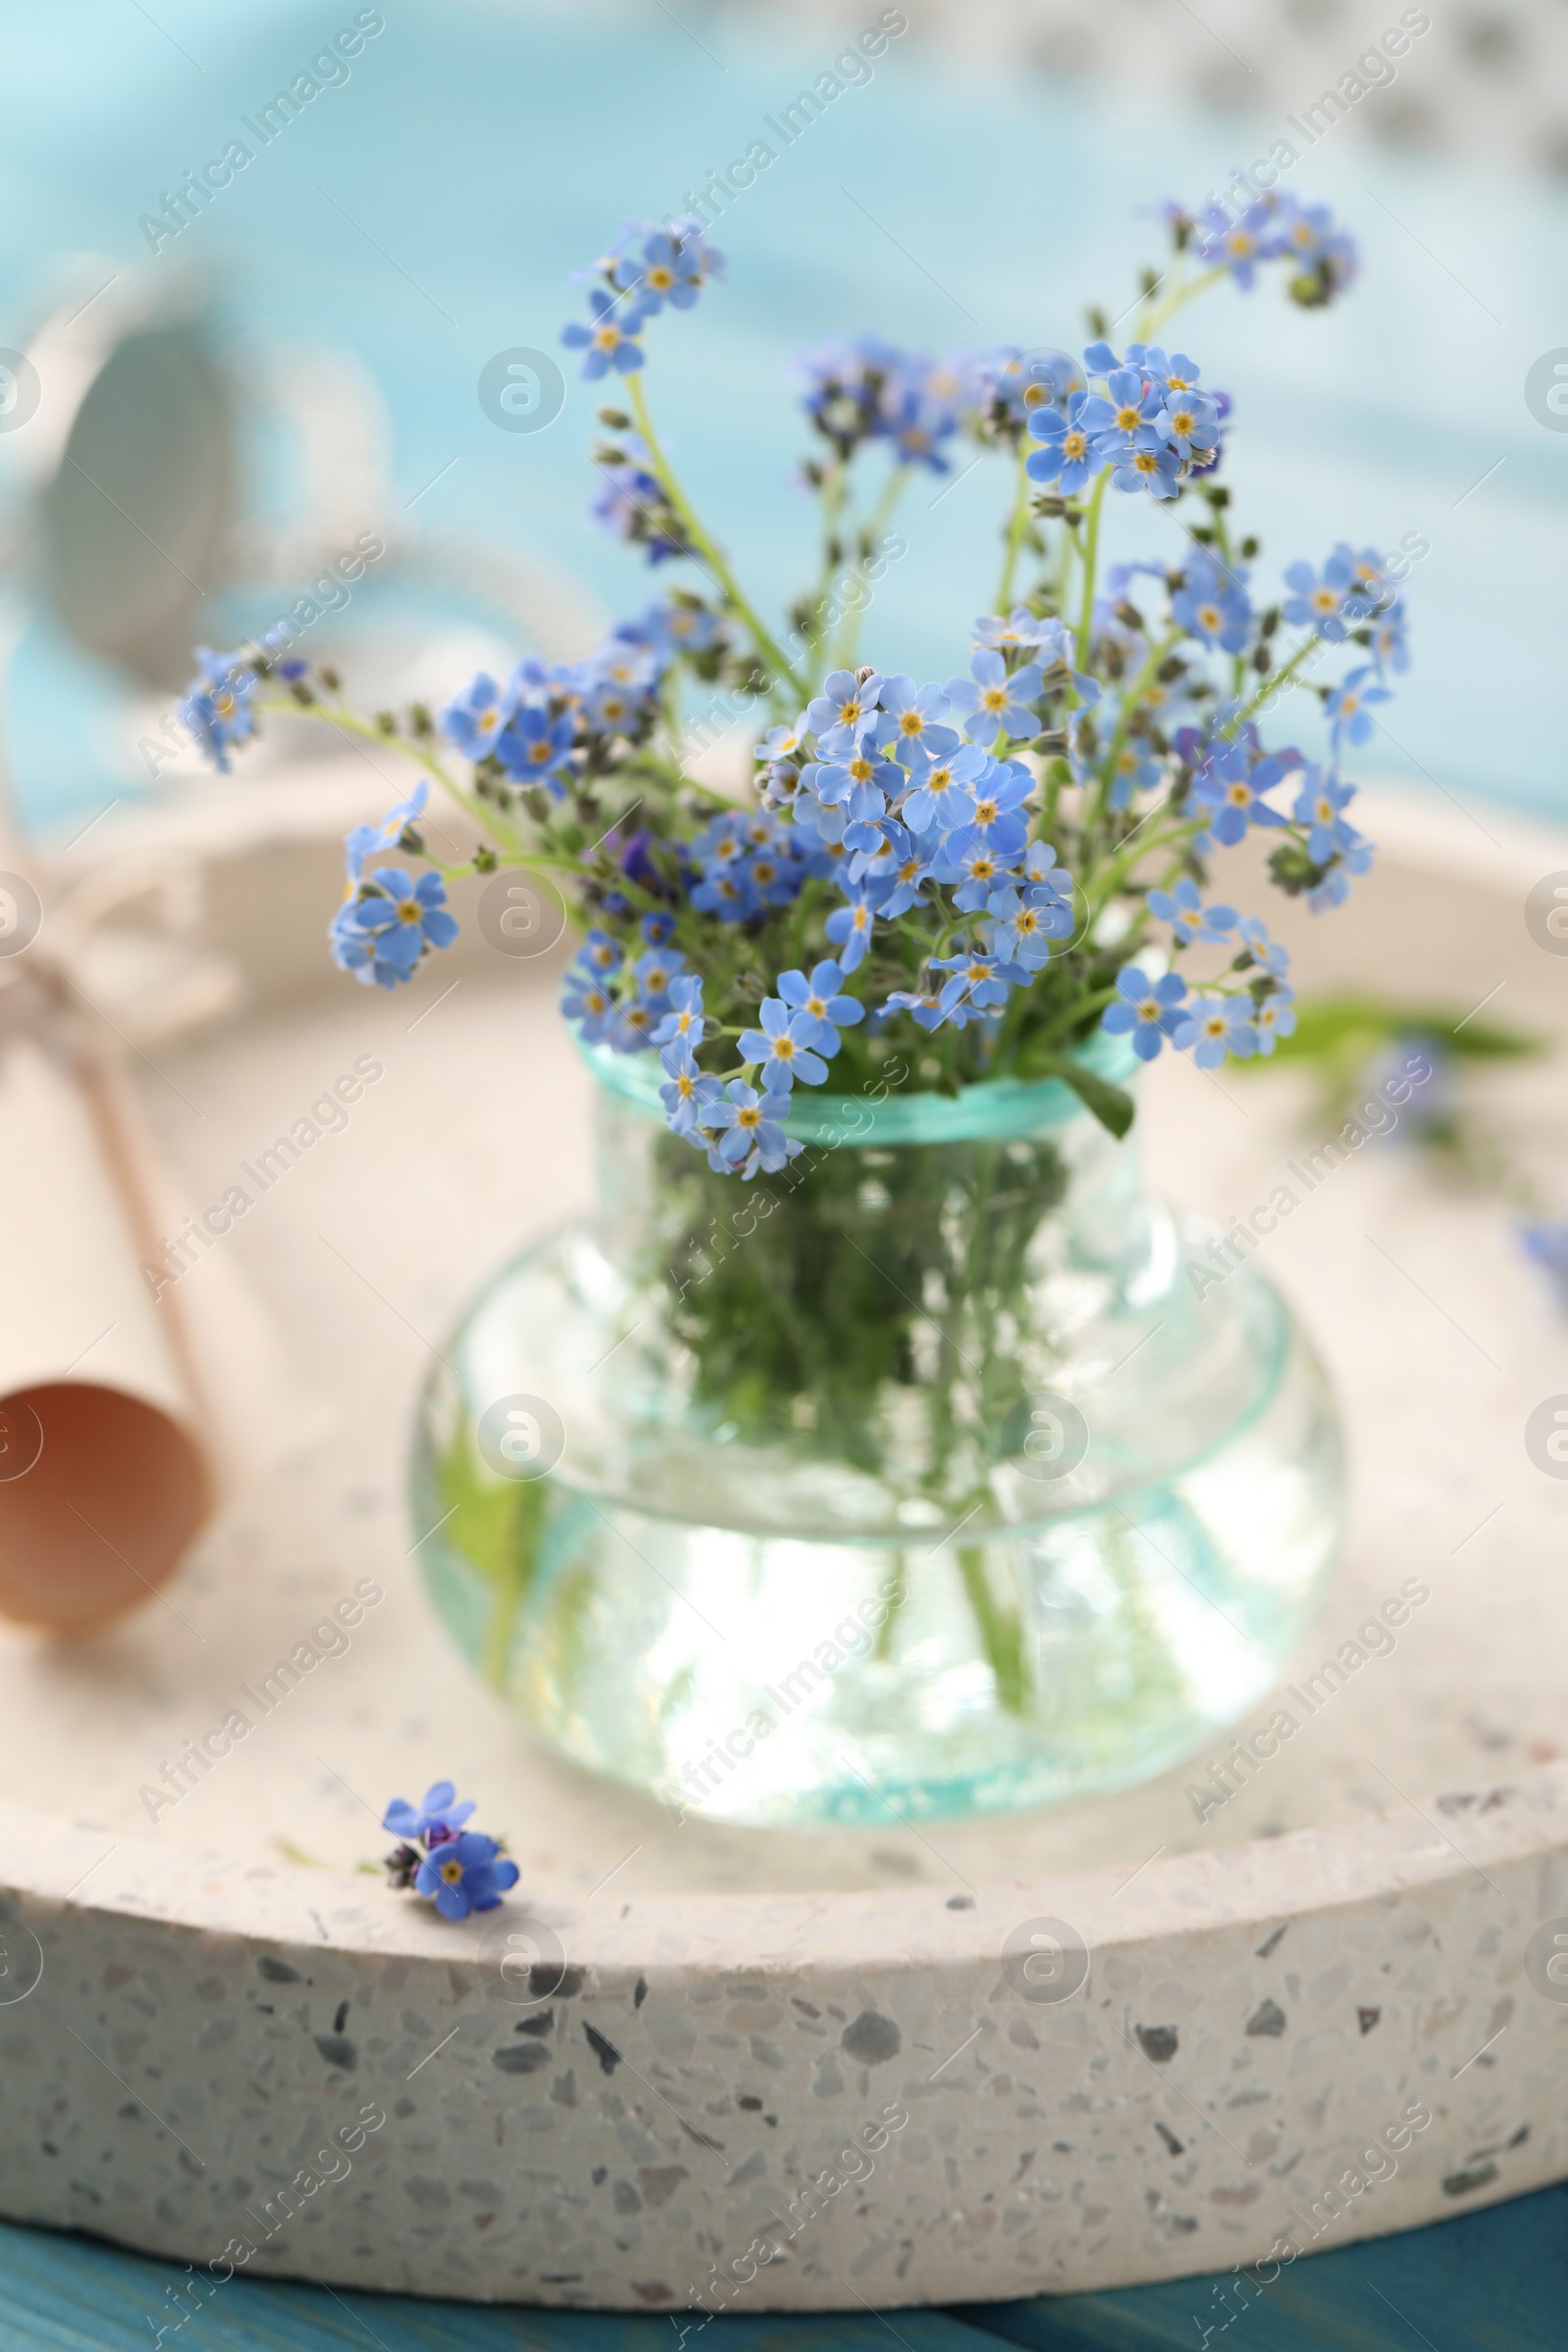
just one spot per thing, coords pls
(460, 1870)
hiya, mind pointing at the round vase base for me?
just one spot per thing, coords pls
(778, 1640)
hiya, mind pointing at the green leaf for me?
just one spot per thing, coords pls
(484, 1524)
(1111, 1106)
(1348, 1027)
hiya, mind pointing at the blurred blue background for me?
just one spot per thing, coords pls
(424, 215)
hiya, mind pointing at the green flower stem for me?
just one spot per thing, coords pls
(895, 1600)
(803, 916)
(705, 546)
(1130, 701)
(1077, 1012)
(1271, 685)
(1096, 499)
(664, 771)
(1001, 1634)
(1109, 879)
(1067, 558)
(1016, 525)
(1155, 314)
(803, 1315)
(1014, 1013)
(835, 500)
(338, 715)
(990, 1279)
(881, 516)
(487, 820)
(1222, 540)
(513, 1582)
(887, 505)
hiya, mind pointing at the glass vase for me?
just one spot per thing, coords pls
(940, 1473)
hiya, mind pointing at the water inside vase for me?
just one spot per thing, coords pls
(1035, 1532)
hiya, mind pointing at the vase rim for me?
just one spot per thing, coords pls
(992, 1110)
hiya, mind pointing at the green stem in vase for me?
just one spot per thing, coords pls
(1001, 1633)
(894, 1597)
(514, 1576)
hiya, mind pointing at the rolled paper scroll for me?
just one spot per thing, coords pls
(127, 1407)
(105, 1475)
(131, 1405)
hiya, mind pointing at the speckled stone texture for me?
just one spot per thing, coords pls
(636, 2119)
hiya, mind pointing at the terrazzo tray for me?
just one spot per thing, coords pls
(693, 2066)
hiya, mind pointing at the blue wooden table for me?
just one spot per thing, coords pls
(1498, 2281)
